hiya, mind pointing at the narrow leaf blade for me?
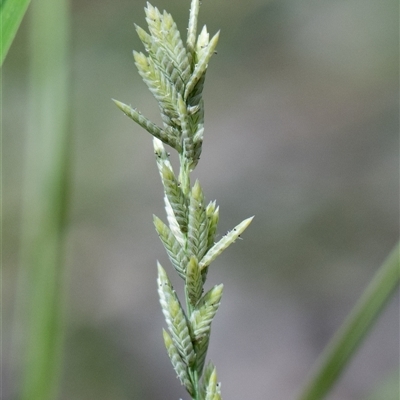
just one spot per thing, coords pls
(11, 15)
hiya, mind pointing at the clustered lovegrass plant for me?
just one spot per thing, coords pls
(175, 74)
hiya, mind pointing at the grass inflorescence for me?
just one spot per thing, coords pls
(175, 74)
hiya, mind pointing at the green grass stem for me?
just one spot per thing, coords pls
(41, 293)
(354, 329)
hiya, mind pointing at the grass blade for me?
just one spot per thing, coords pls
(11, 14)
(350, 335)
(41, 294)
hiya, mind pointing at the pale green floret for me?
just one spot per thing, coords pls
(174, 249)
(153, 18)
(166, 41)
(175, 318)
(173, 223)
(177, 362)
(146, 39)
(176, 198)
(148, 125)
(192, 28)
(198, 223)
(225, 242)
(202, 42)
(161, 156)
(177, 71)
(212, 212)
(212, 392)
(208, 370)
(205, 311)
(201, 65)
(194, 282)
(162, 164)
(183, 118)
(160, 86)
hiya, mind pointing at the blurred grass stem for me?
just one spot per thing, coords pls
(351, 334)
(40, 292)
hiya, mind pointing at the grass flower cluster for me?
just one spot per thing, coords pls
(175, 74)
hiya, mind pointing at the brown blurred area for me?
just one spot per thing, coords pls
(302, 123)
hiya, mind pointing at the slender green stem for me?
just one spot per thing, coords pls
(41, 284)
(195, 379)
(184, 179)
(349, 337)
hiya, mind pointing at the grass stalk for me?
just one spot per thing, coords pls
(350, 335)
(41, 284)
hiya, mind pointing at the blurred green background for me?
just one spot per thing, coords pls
(301, 130)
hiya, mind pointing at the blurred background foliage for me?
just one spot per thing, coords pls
(301, 130)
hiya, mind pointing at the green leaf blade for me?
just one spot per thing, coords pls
(350, 335)
(11, 15)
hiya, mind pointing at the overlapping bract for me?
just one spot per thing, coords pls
(175, 74)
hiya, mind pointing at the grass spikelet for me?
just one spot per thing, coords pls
(212, 212)
(183, 118)
(194, 282)
(174, 250)
(205, 311)
(150, 127)
(162, 157)
(154, 20)
(146, 39)
(178, 364)
(164, 163)
(202, 42)
(198, 223)
(212, 391)
(225, 242)
(173, 223)
(177, 71)
(208, 370)
(192, 28)
(175, 48)
(160, 86)
(176, 198)
(201, 65)
(175, 318)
